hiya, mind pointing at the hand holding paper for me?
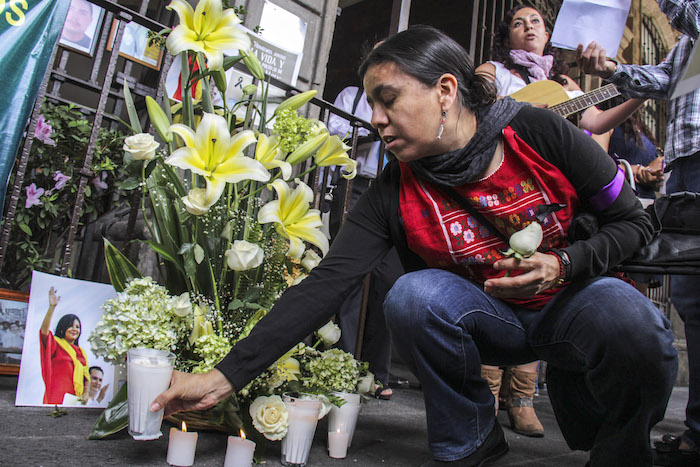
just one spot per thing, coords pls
(582, 22)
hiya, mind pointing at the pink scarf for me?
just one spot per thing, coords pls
(538, 66)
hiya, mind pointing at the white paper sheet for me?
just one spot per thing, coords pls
(691, 76)
(582, 22)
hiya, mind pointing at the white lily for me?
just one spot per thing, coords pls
(293, 217)
(269, 153)
(334, 152)
(216, 155)
(208, 28)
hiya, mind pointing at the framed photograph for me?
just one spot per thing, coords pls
(62, 313)
(13, 321)
(135, 46)
(81, 29)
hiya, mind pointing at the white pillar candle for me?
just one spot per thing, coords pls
(338, 444)
(181, 447)
(239, 451)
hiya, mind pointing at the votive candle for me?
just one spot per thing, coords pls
(181, 447)
(338, 444)
(239, 451)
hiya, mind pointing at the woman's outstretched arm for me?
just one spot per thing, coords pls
(53, 301)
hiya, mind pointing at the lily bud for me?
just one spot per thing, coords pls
(253, 65)
(159, 119)
(296, 101)
(220, 80)
(524, 243)
(307, 149)
(249, 90)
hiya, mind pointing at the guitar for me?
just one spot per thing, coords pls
(552, 93)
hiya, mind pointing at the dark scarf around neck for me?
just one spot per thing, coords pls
(468, 164)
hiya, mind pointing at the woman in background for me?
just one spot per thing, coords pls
(64, 365)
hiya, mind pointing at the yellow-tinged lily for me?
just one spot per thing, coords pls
(216, 155)
(296, 101)
(208, 28)
(293, 218)
(269, 153)
(334, 152)
(289, 369)
(201, 326)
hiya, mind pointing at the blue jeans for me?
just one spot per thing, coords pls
(685, 176)
(611, 363)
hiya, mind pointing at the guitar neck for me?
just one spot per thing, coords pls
(589, 99)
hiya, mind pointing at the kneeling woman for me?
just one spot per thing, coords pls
(462, 302)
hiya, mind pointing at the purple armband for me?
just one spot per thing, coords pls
(605, 197)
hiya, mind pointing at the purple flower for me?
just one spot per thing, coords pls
(60, 180)
(33, 194)
(43, 132)
(99, 182)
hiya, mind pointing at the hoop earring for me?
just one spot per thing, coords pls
(442, 124)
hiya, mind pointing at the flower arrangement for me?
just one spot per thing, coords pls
(230, 217)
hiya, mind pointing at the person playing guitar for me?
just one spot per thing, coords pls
(522, 54)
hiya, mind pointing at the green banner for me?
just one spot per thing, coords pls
(29, 30)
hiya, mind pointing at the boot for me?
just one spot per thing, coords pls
(493, 377)
(521, 412)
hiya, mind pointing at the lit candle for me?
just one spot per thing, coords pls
(239, 451)
(181, 447)
(338, 444)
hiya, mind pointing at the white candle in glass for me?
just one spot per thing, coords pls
(338, 444)
(181, 447)
(239, 451)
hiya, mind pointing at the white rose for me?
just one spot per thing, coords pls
(311, 260)
(329, 333)
(196, 201)
(270, 417)
(181, 305)
(524, 243)
(365, 385)
(244, 255)
(141, 147)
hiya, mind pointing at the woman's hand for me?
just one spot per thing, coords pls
(53, 298)
(541, 273)
(193, 392)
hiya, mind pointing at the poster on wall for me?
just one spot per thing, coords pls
(13, 320)
(134, 45)
(80, 31)
(57, 361)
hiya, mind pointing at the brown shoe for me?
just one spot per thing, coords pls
(493, 376)
(521, 411)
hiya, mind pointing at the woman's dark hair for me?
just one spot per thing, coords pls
(500, 50)
(633, 127)
(426, 54)
(64, 323)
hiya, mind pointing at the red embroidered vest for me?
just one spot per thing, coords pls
(447, 237)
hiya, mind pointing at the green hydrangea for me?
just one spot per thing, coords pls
(293, 129)
(140, 316)
(334, 370)
(212, 349)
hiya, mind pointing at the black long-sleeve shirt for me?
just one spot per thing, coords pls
(374, 226)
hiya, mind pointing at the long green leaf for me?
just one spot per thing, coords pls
(114, 418)
(131, 109)
(167, 255)
(120, 269)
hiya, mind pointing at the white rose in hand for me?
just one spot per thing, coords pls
(270, 417)
(244, 255)
(329, 333)
(524, 243)
(141, 147)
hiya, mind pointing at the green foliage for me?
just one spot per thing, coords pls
(40, 229)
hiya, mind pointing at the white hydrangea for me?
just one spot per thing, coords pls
(140, 316)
